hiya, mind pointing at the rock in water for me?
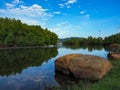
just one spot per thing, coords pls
(83, 66)
(114, 56)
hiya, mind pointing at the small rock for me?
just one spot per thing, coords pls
(114, 56)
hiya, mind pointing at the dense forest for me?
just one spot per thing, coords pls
(15, 33)
(112, 39)
(93, 41)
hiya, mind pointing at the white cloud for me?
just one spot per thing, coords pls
(57, 12)
(17, 2)
(71, 1)
(61, 5)
(33, 11)
(31, 21)
(9, 5)
(2, 11)
(67, 3)
(34, 14)
(83, 12)
(14, 3)
(68, 6)
(87, 16)
(65, 23)
(62, 33)
(30, 11)
(64, 29)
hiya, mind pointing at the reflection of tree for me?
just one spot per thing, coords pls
(90, 47)
(13, 61)
(94, 47)
(75, 46)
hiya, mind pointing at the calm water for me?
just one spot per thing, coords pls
(33, 69)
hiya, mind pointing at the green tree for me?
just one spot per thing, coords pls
(14, 33)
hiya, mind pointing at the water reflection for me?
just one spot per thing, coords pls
(68, 80)
(13, 61)
(33, 69)
(89, 47)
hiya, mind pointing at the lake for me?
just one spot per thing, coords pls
(33, 68)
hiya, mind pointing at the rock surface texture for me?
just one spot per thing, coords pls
(114, 53)
(83, 66)
(114, 56)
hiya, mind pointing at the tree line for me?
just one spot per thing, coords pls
(94, 41)
(15, 33)
(115, 38)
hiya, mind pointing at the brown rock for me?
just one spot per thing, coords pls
(83, 66)
(113, 55)
(115, 48)
(62, 63)
(114, 45)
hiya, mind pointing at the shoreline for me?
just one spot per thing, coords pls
(22, 47)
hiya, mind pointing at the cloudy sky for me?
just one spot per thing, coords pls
(67, 18)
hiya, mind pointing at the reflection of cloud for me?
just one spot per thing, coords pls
(34, 78)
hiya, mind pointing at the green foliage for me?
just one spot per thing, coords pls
(14, 33)
(89, 47)
(112, 39)
(94, 41)
(84, 41)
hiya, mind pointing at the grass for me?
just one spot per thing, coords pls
(111, 81)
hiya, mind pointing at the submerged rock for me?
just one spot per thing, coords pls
(83, 66)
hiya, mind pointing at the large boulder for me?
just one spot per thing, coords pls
(83, 66)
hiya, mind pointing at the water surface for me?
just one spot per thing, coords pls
(33, 69)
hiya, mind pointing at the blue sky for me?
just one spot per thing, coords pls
(67, 18)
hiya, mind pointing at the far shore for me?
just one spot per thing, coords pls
(20, 47)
